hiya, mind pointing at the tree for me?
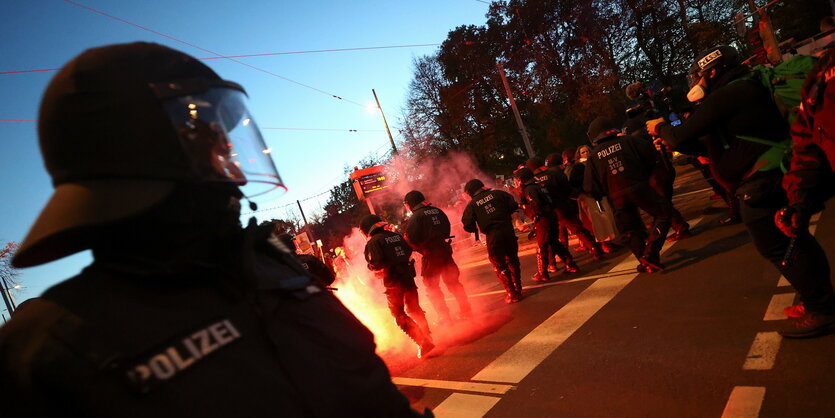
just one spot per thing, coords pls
(8, 275)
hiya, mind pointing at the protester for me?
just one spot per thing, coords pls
(182, 312)
(733, 106)
(810, 180)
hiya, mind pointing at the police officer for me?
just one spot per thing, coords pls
(390, 257)
(537, 205)
(191, 315)
(490, 212)
(734, 105)
(314, 266)
(428, 233)
(619, 167)
(559, 190)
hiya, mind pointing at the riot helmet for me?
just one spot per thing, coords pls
(534, 163)
(121, 125)
(602, 128)
(473, 186)
(413, 198)
(554, 159)
(524, 174)
(371, 222)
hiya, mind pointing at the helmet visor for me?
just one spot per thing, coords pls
(222, 140)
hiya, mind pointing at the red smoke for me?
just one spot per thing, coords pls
(441, 181)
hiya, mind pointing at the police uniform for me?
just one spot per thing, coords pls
(619, 168)
(319, 270)
(242, 333)
(538, 206)
(389, 256)
(490, 212)
(192, 315)
(559, 190)
(428, 233)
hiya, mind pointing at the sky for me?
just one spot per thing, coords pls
(306, 127)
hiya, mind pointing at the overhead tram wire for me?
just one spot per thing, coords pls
(315, 51)
(212, 52)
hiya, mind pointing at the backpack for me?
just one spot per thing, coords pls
(784, 82)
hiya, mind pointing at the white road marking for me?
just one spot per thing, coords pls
(763, 351)
(783, 282)
(459, 405)
(555, 282)
(454, 385)
(774, 312)
(744, 402)
(518, 361)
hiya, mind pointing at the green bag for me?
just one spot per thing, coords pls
(784, 82)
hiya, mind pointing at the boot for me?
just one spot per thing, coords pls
(571, 266)
(542, 269)
(506, 281)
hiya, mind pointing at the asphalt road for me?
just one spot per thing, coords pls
(697, 340)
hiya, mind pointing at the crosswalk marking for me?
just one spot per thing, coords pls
(460, 405)
(454, 385)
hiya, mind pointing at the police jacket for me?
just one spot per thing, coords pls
(317, 268)
(427, 229)
(249, 335)
(536, 201)
(389, 254)
(556, 184)
(489, 210)
(617, 165)
(735, 106)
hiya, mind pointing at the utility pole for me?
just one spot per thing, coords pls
(393, 147)
(302, 212)
(519, 123)
(4, 288)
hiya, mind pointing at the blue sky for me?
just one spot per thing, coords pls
(45, 34)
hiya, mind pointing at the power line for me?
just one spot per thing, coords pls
(315, 51)
(211, 52)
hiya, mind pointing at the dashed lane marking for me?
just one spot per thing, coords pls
(460, 405)
(744, 402)
(774, 312)
(763, 351)
(495, 388)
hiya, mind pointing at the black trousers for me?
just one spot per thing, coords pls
(438, 264)
(503, 250)
(626, 207)
(808, 268)
(548, 243)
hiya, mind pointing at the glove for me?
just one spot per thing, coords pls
(652, 126)
(790, 222)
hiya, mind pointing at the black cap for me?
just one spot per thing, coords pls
(368, 222)
(602, 128)
(413, 198)
(720, 57)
